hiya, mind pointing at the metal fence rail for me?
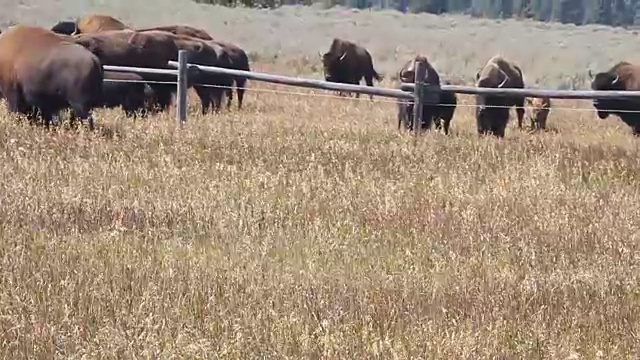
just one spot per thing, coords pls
(418, 91)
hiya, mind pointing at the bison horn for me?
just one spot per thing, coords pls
(590, 74)
(615, 80)
(503, 81)
(343, 56)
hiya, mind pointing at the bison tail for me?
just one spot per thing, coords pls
(377, 75)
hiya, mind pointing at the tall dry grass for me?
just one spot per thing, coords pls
(308, 227)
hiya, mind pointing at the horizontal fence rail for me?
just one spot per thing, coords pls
(554, 94)
(420, 95)
(140, 70)
(307, 83)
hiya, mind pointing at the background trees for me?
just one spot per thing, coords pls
(579, 12)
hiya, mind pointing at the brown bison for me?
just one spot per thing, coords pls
(90, 23)
(348, 63)
(48, 75)
(623, 76)
(239, 61)
(127, 90)
(540, 108)
(237, 56)
(151, 49)
(93, 23)
(492, 111)
(430, 112)
(182, 30)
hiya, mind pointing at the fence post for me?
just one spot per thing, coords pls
(181, 111)
(418, 98)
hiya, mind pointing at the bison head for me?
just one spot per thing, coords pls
(65, 28)
(605, 81)
(491, 76)
(332, 64)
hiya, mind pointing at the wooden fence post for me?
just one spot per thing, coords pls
(418, 98)
(181, 96)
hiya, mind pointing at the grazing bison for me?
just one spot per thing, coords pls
(492, 111)
(540, 108)
(623, 76)
(152, 49)
(48, 75)
(239, 61)
(348, 63)
(430, 112)
(87, 24)
(181, 30)
(65, 27)
(127, 90)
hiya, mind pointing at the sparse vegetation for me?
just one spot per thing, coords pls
(307, 226)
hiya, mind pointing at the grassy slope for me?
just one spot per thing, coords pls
(309, 227)
(550, 54)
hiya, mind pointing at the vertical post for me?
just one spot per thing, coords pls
(418, 98)
(181, 111)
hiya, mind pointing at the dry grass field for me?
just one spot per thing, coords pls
(306, 226)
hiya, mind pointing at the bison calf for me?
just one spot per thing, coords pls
(540, 108)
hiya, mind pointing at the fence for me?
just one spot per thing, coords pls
(419, 92)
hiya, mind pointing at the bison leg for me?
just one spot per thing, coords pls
(369, 80)
(205, 98)
(240, 84)
(520, 111)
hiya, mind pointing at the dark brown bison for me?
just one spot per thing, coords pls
(181, 30)
(238, 57)
(151, 49)
(48, 75)
(66, 27)
(211, 54)
(127, 90)
(348, 63)
(239, 61)
(540, 108)
(441, 114)
(623, 76)
(492, 111)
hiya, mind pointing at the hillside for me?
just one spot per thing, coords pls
(551, 54)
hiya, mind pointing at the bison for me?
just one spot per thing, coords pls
(623, 76)
(347, 62)
(48, 75)
(65, 27)
(127, 90)
(87, 24)
(239, 61)
(540, 108)
(181, 30)
(147, 49)
(430, 112)
(93, 23)
(492, 111)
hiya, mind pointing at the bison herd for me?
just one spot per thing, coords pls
(43, 71)
(347, 62)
